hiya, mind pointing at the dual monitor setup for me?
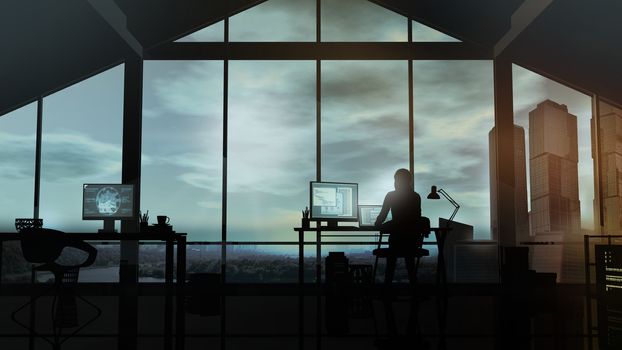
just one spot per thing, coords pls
(335, 202)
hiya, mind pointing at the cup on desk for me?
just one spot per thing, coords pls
(163, 220)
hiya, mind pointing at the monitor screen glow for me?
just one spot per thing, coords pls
(369, 213)
(107, 201)
(334, 201)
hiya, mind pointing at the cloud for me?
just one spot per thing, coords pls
(65, 157)
(18, 156)
(211, 33)
(68, 157)
(210, 204)
(454, 105)
(188, 89)
(424, 33)
(355, 20)
(271, 126)
(151, 113)
(275, 20)
(531, 89)
(359, 85)
(199, 170)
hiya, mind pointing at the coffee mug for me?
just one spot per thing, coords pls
(163, 219)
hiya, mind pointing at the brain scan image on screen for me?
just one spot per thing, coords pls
(108, 200)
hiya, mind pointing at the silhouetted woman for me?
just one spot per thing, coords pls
(406, 228)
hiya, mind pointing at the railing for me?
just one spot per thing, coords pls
(229, 256)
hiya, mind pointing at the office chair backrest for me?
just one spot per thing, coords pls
(423, 226)
(41, 245)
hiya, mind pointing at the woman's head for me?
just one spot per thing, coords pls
(403, 179)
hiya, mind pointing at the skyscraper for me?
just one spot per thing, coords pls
(610, 132)
(554, 179)
(521, 216)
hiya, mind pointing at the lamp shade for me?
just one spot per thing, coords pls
(433, 194)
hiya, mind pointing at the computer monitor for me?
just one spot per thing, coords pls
(333, 202)
(369, 213)
(108, 202)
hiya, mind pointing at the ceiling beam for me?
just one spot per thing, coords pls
(521, 19)
(114, 16)
(319, 51)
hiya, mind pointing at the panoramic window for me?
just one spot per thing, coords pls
(453, 115)
(271, 159)
(364, 124)
(271, 156)
(364, 134)
(454, 111)
(182, 145)
(18, 132)
(81, 143)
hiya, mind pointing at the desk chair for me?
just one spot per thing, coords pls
(43, 247)
(411, 252)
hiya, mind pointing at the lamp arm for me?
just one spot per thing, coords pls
(448, 197)
(453, 202)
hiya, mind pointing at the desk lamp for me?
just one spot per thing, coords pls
(434, 195)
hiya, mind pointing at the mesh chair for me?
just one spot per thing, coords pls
(410, 250)
(42, 247)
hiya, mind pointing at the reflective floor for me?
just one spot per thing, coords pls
(292, 317)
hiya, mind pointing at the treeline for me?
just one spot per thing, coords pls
(242, 267)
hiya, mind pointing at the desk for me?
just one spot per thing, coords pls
(440, 234)
(170, 239)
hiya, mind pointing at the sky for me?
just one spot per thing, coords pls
(272, 130)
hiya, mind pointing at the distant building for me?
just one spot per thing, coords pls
(546, 253)
(554, 179)
(610, 130)
(560, 254)
(521, 215)
(573, 260)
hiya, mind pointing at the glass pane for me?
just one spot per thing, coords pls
(610, 136)
(105, 269)
(361, 20)
(18, 132)
(214, 33)
(271, 147)
(81, 143)
(556, 120)
(421, 33)
(454, 108)
(182, 145)
(275, 20)
(530, 90)
(262, 264)
(364, 124)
